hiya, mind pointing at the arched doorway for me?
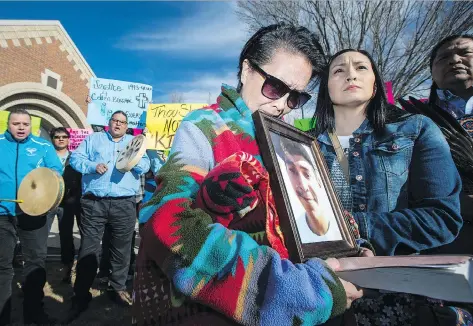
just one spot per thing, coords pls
(54, 108)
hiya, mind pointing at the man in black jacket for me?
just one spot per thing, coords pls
(451, 63)
(70, 205)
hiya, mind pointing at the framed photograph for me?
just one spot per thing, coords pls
(310, 212)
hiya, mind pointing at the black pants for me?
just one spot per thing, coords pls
(120, 215)
(66, 232)
(105, 266)
(33, 235)
(65, 215)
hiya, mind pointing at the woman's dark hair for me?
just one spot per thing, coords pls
(376, 111)
(58, 130)
(295, 39)
(433, 55)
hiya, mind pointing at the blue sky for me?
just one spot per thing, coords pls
(185, 47)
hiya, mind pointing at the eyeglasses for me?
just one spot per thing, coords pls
(274, 88)
(119, 121)
(61, 137)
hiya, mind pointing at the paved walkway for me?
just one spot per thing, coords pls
(102, 311)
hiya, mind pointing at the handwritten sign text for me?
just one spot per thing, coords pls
(77, 136)
(108, 96)
(162, 121)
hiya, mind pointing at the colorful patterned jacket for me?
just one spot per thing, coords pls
(192, 270)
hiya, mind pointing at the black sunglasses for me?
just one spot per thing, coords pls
(274, 88)
(61, 137)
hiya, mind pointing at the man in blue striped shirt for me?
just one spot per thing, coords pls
(108, 199)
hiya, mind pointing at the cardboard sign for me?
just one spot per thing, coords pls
(77, 136)
(162, 121)
(108, 96)
(35, 123)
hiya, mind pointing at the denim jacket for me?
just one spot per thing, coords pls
(404, 184)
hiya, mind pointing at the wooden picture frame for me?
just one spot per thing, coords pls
(310, 212)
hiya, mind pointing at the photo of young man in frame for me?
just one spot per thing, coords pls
(308, 198)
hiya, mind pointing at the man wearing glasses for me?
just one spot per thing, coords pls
(70, 205)
(108, 199)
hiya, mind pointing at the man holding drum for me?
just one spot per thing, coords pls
(108, 199)
(22, 153)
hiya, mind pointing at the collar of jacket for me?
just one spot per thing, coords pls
(109, 136)
(10, 138)
(229, 98)
(364, 128)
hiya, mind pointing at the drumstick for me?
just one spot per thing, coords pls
(19, 201)
(118, 153)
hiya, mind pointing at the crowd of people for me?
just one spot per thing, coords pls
(103, 201)
(211, 250)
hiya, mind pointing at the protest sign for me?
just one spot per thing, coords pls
(35, 123)
(162, 121)
(77, 136)
(389, 92)
(108, 96)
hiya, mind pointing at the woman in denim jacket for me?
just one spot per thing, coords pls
(400, 182)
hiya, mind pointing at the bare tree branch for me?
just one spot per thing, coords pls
(399, 34)
(176, 97)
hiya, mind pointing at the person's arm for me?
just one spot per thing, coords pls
(433, 218)
(80, 158)
(142, 166)
(466, 202)
(156, 160)
(225, 269)
(52, 161)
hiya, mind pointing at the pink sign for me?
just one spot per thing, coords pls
(389, 92)
(77, 136)
(135, 131)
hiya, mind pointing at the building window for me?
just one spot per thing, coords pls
(52, 82)
(51, 79)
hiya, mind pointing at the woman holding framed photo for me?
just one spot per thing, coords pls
(212, 252)
(392, 170)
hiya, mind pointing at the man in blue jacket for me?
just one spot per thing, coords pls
(108, 198)
(21, 153)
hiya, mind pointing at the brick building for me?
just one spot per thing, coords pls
(42, 69)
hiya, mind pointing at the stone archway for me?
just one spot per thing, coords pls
(54, 108)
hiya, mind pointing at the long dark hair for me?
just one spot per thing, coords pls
(376, 111)
(294, 39)
(433, 89)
